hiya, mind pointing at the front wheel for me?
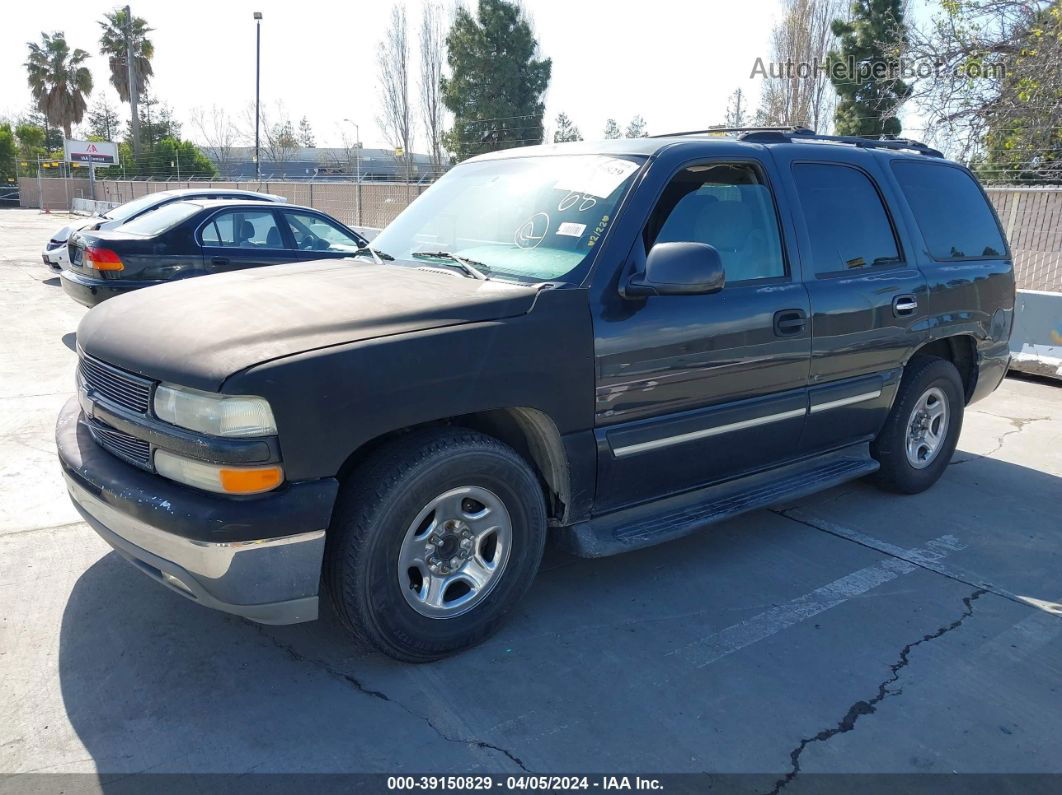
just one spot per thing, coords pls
(433, 542)
(919, 437)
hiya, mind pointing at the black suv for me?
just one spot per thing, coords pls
(613, 344)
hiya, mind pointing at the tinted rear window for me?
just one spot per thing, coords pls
(166, 217)
(845, 218)
(951, 211)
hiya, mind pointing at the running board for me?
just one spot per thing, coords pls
(674, 517)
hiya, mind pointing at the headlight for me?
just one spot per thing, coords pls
(218, 477)
(218, 415)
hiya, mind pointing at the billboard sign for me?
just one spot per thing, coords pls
(94, 152)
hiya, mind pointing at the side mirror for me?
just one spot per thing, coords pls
(678, 269)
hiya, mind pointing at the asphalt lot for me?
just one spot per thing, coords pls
(854, 631)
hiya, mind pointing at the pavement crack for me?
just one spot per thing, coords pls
(359, 686)
(1018, 424)
(868, 707)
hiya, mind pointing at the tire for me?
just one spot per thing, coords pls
(446, 488)
(927, 383)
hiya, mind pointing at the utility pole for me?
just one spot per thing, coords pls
(257, 92)
(357, 167)
(134, 122)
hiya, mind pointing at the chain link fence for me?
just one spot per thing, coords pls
(1031, 216)
(366, 203)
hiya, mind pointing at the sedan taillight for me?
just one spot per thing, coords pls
(102, 259)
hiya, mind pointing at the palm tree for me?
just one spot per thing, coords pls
(113, 45)
(58, 80)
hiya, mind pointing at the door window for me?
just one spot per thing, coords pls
(728, 206)
(845, 217)
(243, 229)
(951, 211)
(314, 233)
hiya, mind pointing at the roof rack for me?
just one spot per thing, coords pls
(802, 134)
(733, 130)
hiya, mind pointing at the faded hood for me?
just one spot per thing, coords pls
(199, 331)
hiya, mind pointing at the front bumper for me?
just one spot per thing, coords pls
(255, 557)
(89, 292)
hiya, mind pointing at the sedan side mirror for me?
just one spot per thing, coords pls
(678, 269)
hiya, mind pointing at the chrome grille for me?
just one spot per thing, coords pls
(128, 448)
(125, 389)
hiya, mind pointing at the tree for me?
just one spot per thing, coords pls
(796, 88)
(58, 80)
(396, 118)
(993, 97)
(103, 120)
(864, 69)
(736, 110)
(612, 129)
(115, 42)
(496, 80)
(157, 121)
(636, 128)
(305, 134)
(566, 131)
(31, 141)
(217, 133)
(8, 162)
(432, 46)
(1023, 141)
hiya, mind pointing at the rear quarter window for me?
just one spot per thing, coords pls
(951, 211)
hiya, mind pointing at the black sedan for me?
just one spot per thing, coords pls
(194, 238)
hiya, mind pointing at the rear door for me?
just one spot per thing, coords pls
(318, 237)
(868, 297)
(236, 237)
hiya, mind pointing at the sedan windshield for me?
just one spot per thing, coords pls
(524, 218)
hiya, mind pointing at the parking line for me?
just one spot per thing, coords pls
(720, 644)
(912, 556)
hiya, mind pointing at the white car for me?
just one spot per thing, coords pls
(55, 253)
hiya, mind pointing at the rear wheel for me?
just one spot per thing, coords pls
(919, 437)
(433, 542)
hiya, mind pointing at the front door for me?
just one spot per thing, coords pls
(868, 298)
(317, 237)
(238, 238)
(697, 389)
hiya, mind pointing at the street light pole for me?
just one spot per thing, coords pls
(257, 92)
(357, 165)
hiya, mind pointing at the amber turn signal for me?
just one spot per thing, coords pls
(250, 481)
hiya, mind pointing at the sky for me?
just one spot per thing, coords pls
(675, 62)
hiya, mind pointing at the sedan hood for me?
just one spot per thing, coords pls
(197, 332)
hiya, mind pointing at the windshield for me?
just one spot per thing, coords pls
(526, 218)
(131, 208)
(166, 217)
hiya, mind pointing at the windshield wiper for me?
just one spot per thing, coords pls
(469, 266)
(377, 255)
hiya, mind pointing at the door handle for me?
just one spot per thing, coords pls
(219, 260)
(788, 322)
(904, 305)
